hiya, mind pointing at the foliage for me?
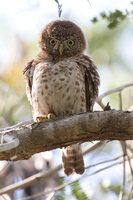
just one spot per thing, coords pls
(113, 18)
(78, 192)
(60, 194)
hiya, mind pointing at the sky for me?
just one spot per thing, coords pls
(26, 18)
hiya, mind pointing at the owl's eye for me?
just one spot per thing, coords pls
(53, 41)
(70, 42)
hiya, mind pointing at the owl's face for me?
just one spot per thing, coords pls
(62, 39)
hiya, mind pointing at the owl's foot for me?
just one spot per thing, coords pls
(45, 117)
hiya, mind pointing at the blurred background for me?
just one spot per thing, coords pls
(108, 27)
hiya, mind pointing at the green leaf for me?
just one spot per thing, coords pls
(117, 14)
(60, 194)
(94, 20)
(115, 188)
(103, 15)
(59, 197)
(113, 24)
(77, 191)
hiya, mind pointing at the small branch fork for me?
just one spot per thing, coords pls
(59, 8)
(123, 144)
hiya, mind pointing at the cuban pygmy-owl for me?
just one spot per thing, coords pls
(62, 81)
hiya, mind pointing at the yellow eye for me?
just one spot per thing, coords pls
(70, 42)
(53, 41)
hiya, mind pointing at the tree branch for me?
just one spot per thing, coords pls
(42, 175)
(36, 137)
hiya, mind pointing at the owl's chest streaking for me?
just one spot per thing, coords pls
(58, 88)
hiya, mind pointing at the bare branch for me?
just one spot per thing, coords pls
(41, 175)
(71, 182)
(118, 89)
(123, 145)
(59, 8)
(37, 137)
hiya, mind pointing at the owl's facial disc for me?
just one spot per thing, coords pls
(57, 46)
(64, 46)
(62, 39)
(60, 47)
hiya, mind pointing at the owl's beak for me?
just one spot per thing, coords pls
(61, 48)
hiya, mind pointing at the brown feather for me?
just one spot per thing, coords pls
(63, 84)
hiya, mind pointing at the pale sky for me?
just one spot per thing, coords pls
(26, 16)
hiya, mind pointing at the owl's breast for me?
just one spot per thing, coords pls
(58, 89)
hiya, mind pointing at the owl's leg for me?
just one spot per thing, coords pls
(73, 159)
(45, 117)
(68, 159)
(79, 161)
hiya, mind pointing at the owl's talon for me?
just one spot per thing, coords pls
(51, 116)
(41, 118)
(45, 117)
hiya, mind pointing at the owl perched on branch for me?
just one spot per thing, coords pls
(62, 81)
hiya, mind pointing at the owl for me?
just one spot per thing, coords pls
(61, 81)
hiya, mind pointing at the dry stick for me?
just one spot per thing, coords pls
(105, 161)
(123, 146)
(131, 169)
(89, 3)
(118, 89)
(59, 8)
(122, 191)
(99, 101)
(37, 177)
(71, 182)
(5, 167)
(107, 167)
(4, 197)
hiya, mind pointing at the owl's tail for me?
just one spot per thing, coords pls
(72, 158)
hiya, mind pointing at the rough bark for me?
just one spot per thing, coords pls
(37, 137)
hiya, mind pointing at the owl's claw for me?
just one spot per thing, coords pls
(45, 117)
(51, 116)
(41, 118)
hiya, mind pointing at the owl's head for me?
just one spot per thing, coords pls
(62, 39)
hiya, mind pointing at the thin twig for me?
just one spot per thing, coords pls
(59, 8)
(5, 167)
(105, 161)
(107, 167)
(71, 182)
(122, 192)
(118, 89)
(131, 169)
(89, 3)
(4, 197)
(41, 175)
(123, 143)
(120, 100)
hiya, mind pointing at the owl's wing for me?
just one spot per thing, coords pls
(92, 81)
(28, 74)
